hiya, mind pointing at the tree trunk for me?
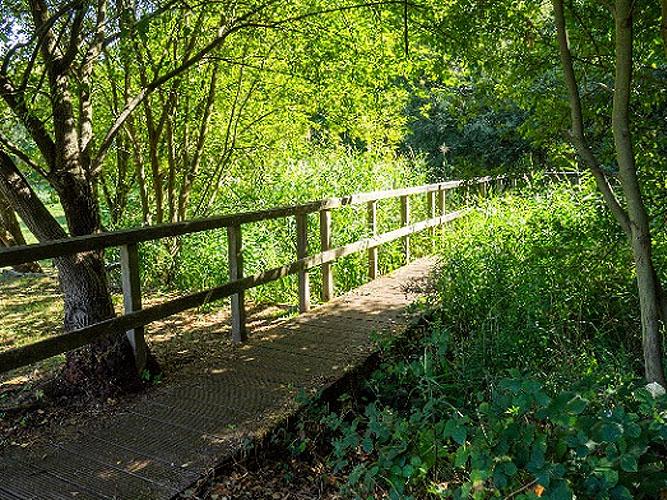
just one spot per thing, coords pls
(106, 367)
(11, 235)
(634, 219)
(649, 288)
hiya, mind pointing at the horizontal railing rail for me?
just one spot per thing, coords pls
(136, 317)
(11, 256)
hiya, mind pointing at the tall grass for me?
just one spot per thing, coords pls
(539, 281)
(526, 381)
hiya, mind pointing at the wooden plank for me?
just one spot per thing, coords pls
(372, 228)
(58, 248)
(301, 253)
(235, 258)
(405, 220)
(325, 244)
(24, 355)
(131, 283)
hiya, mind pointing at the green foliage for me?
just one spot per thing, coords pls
(465, 133)
(523, 383)
(545, 273)
(201, 261)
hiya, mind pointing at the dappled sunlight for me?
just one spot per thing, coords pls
(217, 395)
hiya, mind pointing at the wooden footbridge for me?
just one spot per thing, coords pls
(173, 437)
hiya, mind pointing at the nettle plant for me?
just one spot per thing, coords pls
(592, 441)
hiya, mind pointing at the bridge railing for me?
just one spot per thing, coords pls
(136, 318)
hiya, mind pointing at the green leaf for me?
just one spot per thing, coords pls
(536, 460)
(611, 432)
(367, 444)
(610, 477)
(462, 454)
(456, 431)
(629, 463)
(560, 491)
(620, 493)
(577, 405)
(459, 434)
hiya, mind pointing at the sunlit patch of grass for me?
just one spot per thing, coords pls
(31, 308)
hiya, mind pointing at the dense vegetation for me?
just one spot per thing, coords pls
(128, 113)
(523, 381)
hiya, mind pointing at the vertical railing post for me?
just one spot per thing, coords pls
(484, 193)
(442, 197)
(325, 243)
(373, 230)
(131, 282)
(405, 220)
(235, 255)
(430, 202)
(301, 252)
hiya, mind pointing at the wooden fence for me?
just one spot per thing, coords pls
(136, 318)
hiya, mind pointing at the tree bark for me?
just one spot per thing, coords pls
(11, 235)
(647, 283)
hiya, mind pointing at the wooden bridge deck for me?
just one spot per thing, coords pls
(175, 435)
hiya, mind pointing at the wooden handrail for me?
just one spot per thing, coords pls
(135, 318)
(57, 248)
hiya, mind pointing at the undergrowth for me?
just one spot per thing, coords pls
(526, 383)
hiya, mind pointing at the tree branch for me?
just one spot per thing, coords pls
(224, 32)
(577, 135)
(35, 127)
(26, 203)
(16, 151)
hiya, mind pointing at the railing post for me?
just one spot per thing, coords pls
(325, 244)
(442, 208)
(301, 252)
(430, 202)
(484, 189)
(373, 230)
(235, 255)
(405, 220)
(131, 282)
(442, 197)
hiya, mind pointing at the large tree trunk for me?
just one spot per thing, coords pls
(105, 367)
